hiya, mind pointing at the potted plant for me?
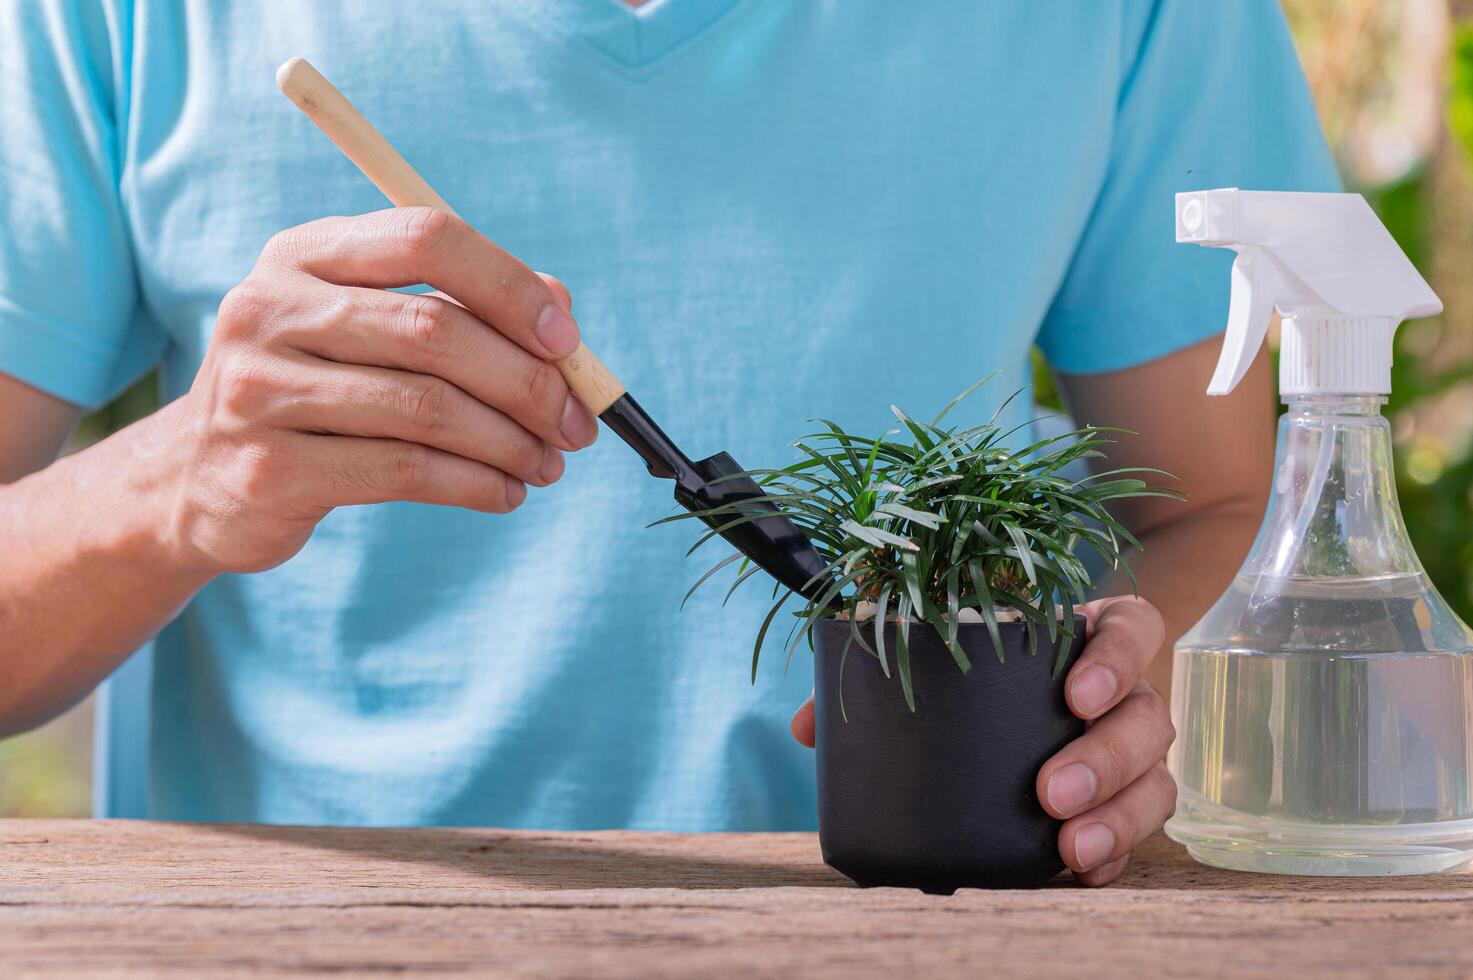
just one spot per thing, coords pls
(942, 639)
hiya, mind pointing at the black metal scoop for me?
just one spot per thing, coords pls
(774, 543)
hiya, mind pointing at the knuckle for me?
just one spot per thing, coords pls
(544, 392)
(243, 390)
(336, 312)
(1128, 639)
(421, 229)
(1165, 731)
(284, 247)
(426, 404)
(530, 452)
(1155, 703)
(1114, 764)
(1148, 699)
(243, 308)
(409, 468)
(1105, 646)
(258, 470)
(277, 245)
(427, 325)
(1117, 653)
(1147, 617)
(1152, 718)
(1155, 624)
(1164, 788)
(1152, 614)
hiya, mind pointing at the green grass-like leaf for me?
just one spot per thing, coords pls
(928, 520)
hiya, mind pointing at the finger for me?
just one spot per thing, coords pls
(559, 291)
(1124, 635)
(1109, 832)
(406, 246)
(803, 725)
(1112, 754)
(1104, 874)
(434, 336)
(342, 471)
(379, 403)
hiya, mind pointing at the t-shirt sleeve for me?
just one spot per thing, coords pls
(69, 321)
(1213, 97)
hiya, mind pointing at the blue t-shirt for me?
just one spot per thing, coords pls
(766, 211)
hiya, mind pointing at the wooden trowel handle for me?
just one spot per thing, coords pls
(595, 386)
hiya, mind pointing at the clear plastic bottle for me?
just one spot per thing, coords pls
(1324, 705)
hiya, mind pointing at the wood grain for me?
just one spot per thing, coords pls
(339, 120)
(114, 898)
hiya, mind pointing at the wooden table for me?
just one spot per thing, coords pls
(102, 898)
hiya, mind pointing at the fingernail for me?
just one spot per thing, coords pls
(557, 331)
(516, 492)
(552, 464)
(1071, 788)
(578, 426)
(1092, 845)
(1092, 690)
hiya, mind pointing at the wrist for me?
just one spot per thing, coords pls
(132, 481)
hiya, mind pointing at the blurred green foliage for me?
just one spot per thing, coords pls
(1460, 96)
(139, 400)
(45, 773)
(1436, 492)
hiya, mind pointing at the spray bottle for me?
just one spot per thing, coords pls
(1324, 705)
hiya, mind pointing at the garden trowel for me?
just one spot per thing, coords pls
(773, 542)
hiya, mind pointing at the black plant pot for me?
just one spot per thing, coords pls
(943, 798)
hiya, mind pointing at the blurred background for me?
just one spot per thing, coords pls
(1394, 83)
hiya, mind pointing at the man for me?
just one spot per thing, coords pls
(766, 210)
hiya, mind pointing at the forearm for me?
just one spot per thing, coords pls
(1220, 451)
(319, 389)
(88, 574)
(1184, 566)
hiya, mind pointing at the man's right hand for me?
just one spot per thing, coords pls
(321, 388)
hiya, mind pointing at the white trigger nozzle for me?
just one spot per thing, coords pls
(1250, 308)
(1324, 261)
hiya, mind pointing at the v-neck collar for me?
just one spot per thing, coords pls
(633, 37)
